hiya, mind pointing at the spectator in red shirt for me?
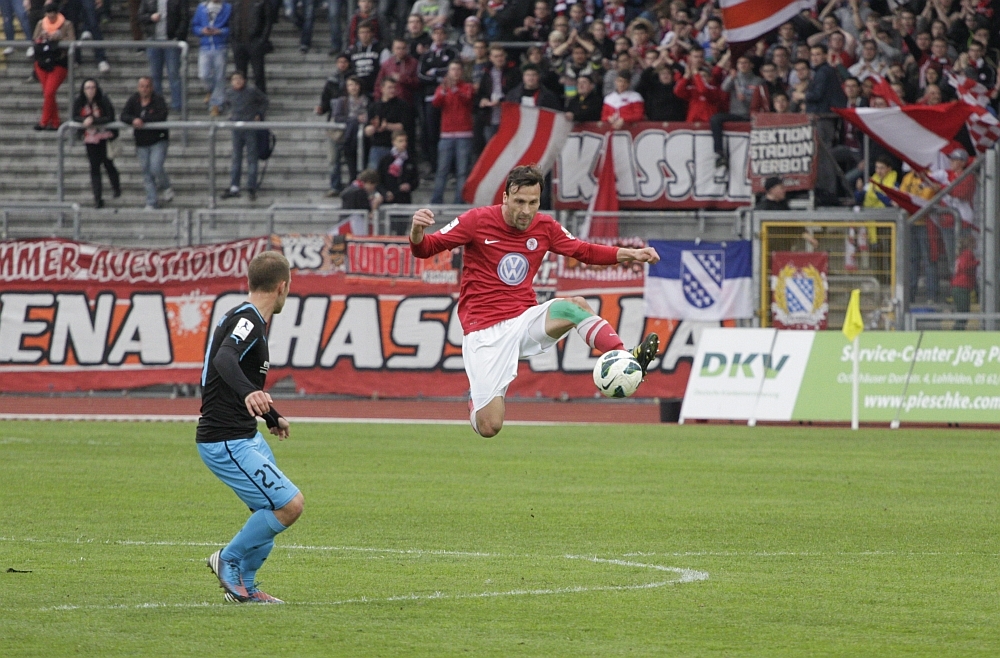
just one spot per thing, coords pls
(453, 97)
(700, 87)
(963, 282)
(402, 68)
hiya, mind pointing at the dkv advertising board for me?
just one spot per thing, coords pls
(804, 375)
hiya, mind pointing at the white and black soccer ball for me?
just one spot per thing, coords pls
(617, 374)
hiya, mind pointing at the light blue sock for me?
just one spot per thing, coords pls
(261, 528)
(253, 561)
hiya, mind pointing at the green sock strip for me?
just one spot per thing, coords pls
(562, 309)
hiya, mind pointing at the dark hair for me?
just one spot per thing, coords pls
(368, 176)
(819, 46)
(884, 159)
(367, 24)
(800, 61)
(98, 94)
(695, 47)
(778, 93)
(524, 176)
(854, 79)
(714, 19)
(267, 270)
(531, 67)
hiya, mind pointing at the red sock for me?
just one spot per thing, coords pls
(599, 334)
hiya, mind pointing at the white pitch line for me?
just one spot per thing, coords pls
(683, 575)
(180, 418)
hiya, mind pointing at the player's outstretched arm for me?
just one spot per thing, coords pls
(644, 255)
(421, 220)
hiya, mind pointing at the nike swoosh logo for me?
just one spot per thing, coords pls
(491, 241)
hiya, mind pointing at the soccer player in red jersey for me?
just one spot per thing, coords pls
(504, 247)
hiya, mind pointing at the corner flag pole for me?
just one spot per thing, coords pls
(853, 326)
(854, 382)
(894, 425)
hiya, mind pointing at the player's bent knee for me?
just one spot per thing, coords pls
(489, 429)
(292, 510)
(582, 303)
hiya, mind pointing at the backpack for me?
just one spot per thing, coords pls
(265, 144)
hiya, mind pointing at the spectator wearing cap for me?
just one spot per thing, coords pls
(500, 77)
(51, 61)
(623, 105)
(432, 70)
(587, 104)
(163, 21)
(471, 31)
(774, 195)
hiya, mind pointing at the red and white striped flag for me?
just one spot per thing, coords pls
(916, 134)
(605, 199)
(911, 203)
(746, 20)
(882, 88)
(527, 136)
(984, 129)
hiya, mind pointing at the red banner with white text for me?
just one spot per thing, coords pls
(363, 318)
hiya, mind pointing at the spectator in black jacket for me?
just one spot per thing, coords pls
(500, 77)
(824, 92)
(362, 194)
(336, 85)
(398, 173)
(171, 26)
(656, 86)
(387, 116)
(365, 57)
(587, 103)
(531, 92)
(94, 110)
(249, 30)
(146, 106)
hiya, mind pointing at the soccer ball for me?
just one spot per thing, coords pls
(617, 374)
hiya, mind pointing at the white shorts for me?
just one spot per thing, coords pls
(491, 354)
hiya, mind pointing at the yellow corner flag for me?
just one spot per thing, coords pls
(853, 324)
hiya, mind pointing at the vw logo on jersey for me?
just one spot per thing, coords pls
(513, 269)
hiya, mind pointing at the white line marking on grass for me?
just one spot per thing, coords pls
(683, 575)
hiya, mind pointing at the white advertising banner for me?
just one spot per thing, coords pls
(739, 374)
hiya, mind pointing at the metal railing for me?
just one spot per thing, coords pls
(127, 45)
(212, 128)
(918, 321)
(56, 210)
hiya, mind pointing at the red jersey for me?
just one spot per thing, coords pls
(501, 261)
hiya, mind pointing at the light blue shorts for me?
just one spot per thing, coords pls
(247, 466)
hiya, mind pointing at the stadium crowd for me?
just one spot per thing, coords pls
(425, 79)
(436, 71)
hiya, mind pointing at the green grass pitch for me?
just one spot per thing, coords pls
(547, 541)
